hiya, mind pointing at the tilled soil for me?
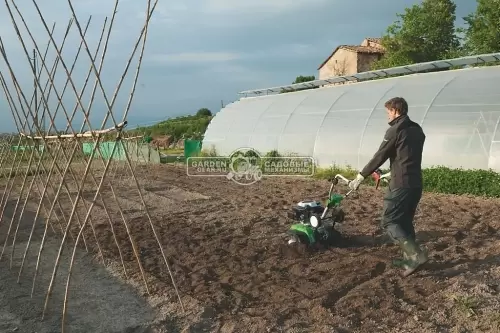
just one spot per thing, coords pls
(226, 246)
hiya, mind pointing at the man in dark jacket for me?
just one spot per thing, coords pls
(403, 145)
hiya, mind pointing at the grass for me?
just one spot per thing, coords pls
(466, 304)
(172, 151)
(172, 159)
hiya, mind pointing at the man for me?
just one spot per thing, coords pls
(403, 145)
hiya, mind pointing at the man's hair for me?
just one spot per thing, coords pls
(399, 104)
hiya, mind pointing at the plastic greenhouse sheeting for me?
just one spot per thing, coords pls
(459, 111)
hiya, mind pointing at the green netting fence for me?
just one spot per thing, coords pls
(191, 148)
(137, 151)
(39, 148)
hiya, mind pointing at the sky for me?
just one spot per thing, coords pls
(199, 53)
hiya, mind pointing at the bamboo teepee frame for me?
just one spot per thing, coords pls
(59, 173)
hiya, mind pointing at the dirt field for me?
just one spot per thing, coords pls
(226, 246)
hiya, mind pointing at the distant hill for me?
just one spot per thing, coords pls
(178, 128)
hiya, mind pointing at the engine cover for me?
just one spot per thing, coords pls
(302, 212)
(309, 203)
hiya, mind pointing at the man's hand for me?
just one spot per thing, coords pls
(354, 184)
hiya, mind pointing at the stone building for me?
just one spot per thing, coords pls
(351, 59)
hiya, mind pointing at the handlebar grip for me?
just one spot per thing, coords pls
(337, 176)
(333, 180)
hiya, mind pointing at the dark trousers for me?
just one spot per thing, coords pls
(400, 205)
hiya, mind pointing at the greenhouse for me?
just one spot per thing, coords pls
(344, 124)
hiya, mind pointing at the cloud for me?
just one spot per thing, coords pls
(238, 73)
(165, 13)
(288, 50)
(194, 57)
(264, 6)
(280, 51)
(200, 52)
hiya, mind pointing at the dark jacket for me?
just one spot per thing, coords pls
(403, 145)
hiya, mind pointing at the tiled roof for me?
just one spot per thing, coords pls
(355, 48)
(362, 49)
(375, 40)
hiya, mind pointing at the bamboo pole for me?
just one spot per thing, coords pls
(61, 149)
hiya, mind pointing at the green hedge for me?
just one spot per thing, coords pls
(439, 179)
(459, 181)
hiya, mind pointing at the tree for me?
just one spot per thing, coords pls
(204, 112)
(482, 34)
(301, 79)
(425, 32)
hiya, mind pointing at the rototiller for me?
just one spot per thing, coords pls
(315, 222)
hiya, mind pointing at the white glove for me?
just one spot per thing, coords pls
(354, 184)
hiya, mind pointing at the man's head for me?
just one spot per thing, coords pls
(396, 107)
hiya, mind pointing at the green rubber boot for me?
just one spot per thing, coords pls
(413, 257)
(401, 262)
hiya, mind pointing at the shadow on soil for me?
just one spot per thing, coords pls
(97, 301)
(438, 265)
